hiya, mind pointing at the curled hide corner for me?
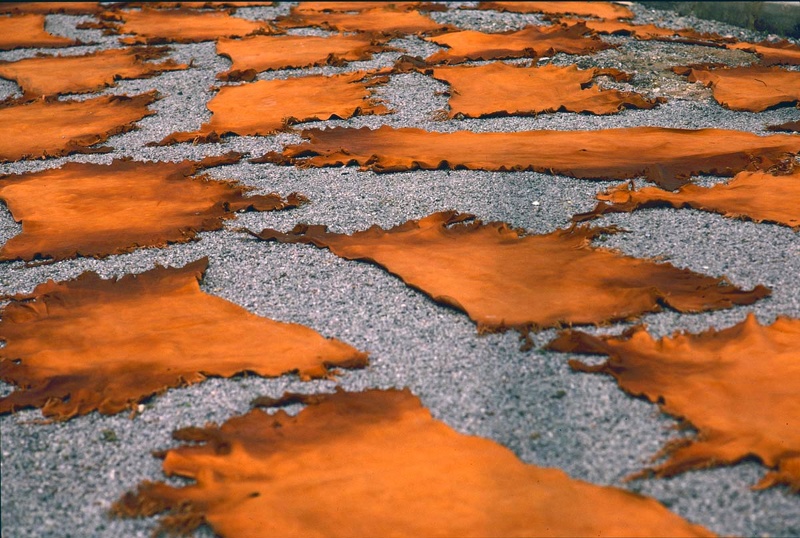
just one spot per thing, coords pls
(736, 386)
(505, 279)
(402, 473)
(124, 340)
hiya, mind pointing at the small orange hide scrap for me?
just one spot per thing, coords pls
(51, 75)
(400, 472)
(530, 42)
(99, 210)
(268, 106)
(751, 88)
(153, 26)
(123, 340)
(380, 21)
(601, 10)
(664, 156)
(738, 387)
(46, 128)
(501, 89)
(26, 31)
(255, 54)
(504, 279)
(772, 52)
(757, 196)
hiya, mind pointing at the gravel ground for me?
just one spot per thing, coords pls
(60, 479)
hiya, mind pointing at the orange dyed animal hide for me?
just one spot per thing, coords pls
(97, 210)
(530, 42)
(789, 126)
(380, 21)
(772, 52)
(402, 473)
(503, 279)
(51, 75)
(123, 340)
(25, 31)
(268, 106)
(647, 32)
(664, 156)
(751, 88)
(500, 89)
(70, 8)
(601, 10)
(340, 7)
(46, 128)
(253, 55)
(757, 196)
(153, 26)
(737, 386)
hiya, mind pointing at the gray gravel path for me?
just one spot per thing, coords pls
(60, 479)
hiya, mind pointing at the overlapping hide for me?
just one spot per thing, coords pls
(384, 20)
(667, 157)
(499, 89)
(738, 387)
(99, 210)
(758, 196)
(601, 10)
(155, 26)
(400, 472)
(530, 42)
(751, 88)
(504, 279)
(105, 345)
(25, 31)
(51, 75)
(268, 106)
(48, 128)
(253, 55)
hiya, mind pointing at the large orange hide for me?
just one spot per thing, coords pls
(502, 278)
(738, 387)
(771, 52)
(400, 472)
(667, 157)
(154, 26)
(378, 20)
(646, 32)
(341, 7)
(48, 128)
(51, 75)
(601, 10)
(255, 54)
(25, 31)
(499, 89)
(268, 106)
(99, 210)
(751, 88)
(758, 196)
(105, 345)
(71, 8)
(530, 42)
